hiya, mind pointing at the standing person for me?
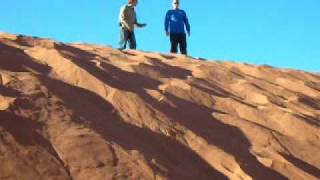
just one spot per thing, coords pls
(175, 21)
(128, 21)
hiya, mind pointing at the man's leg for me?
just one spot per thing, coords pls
(123, 38)
(132, 40)
(183, 43)
(174, 43)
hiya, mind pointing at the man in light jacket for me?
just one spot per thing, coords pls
(175, 22)
(128, 21)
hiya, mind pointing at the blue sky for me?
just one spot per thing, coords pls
(281, 33)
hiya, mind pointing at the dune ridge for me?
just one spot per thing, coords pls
(81, 111)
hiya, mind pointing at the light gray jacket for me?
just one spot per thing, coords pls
(127, 17)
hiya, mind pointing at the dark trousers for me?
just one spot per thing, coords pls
(127, 36)
(178, 39)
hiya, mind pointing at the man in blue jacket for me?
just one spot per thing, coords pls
(175, 22)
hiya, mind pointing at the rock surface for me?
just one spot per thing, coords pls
(87, 112)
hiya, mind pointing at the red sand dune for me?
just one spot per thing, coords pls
(86, 112)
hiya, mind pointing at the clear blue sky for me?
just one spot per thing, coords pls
(281, 33)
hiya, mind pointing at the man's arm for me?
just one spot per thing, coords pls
(186, 22)
(166, 23)
(123, 17)
(140, 25)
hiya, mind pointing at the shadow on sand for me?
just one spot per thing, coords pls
(177, 159)
(191, 115)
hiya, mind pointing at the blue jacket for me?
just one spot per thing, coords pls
(175, 21)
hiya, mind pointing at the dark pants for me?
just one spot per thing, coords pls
(178, 39)
(127, 36)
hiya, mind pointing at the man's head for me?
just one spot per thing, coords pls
(133, 2)
(175, 4)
